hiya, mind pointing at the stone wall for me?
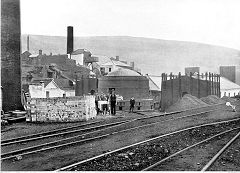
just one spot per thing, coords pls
(67, 109)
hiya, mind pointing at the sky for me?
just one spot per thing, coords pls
(206, 21)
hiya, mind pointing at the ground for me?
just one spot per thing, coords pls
(55, 159)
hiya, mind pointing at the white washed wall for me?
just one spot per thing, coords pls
(67, 109)
(78, 58)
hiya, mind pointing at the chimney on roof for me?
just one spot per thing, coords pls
(40, 52)
(50, 53)
(132, 65)
(69, 40)
(42, 83)
(117, 58)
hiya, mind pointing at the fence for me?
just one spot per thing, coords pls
(175, 86)
(143, 104)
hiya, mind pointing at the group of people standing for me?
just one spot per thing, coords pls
(109, 100)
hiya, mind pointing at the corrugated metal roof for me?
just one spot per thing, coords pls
(123, 72)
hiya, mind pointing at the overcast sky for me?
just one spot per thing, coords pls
(207, 21)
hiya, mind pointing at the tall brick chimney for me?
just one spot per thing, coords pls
(10, 55)
(69, 39)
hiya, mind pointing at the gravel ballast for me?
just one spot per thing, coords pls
(138, 157)
(229, 160)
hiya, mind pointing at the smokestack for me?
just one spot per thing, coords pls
(117, 58)
(10, 55)
(69, 39)
(28, 43)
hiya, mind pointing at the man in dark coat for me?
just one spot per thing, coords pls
(113, 99)
(132, 103)
(96, 102)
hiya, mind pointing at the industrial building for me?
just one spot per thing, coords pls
(175, 86)
(231, 73)
(115, 63)
(192, 70)
(127, 83)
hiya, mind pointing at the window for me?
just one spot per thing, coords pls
(47, 94)
(110, 69)
(70, 83)
(50, 74)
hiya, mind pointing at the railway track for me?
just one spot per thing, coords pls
(214, 159)
(176, 156)
(85, 137)
(228, 159)
(60, 132)
(143, 155)
(55, 133)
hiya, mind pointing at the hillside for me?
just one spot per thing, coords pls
(152, 56)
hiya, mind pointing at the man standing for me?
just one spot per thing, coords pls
(112, 99)
(96, 102)
(132, 103)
